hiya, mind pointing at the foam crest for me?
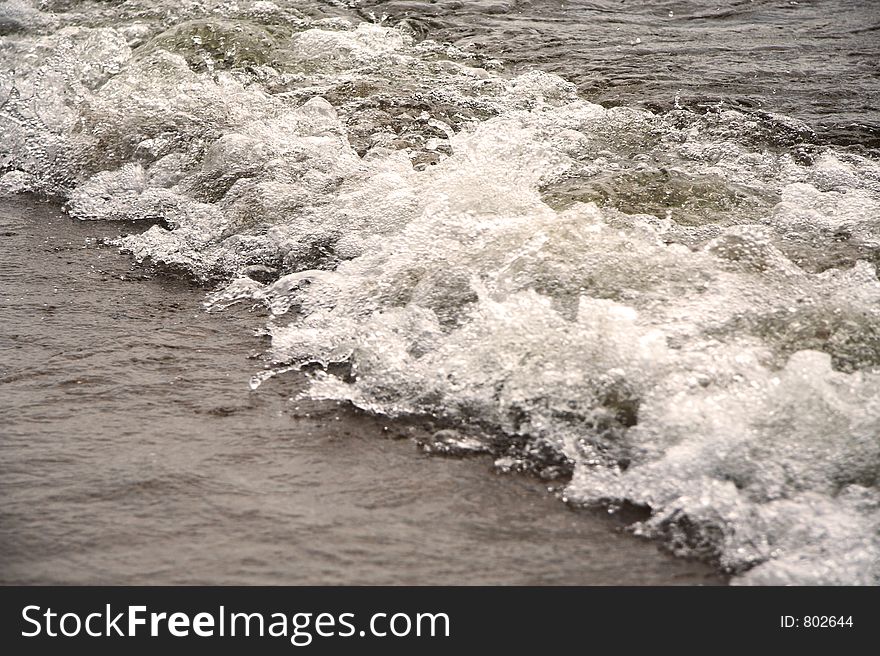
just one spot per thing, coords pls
(679, 311)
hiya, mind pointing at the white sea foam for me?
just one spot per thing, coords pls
(685, 316)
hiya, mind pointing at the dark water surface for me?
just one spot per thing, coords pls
(133, 452)
(814, 60)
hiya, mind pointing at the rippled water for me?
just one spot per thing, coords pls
(666, 301)
(133, 452)
(814, 60)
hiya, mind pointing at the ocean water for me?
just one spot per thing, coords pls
(132, 452)
(632, 249)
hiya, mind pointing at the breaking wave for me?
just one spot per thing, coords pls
(677, 311)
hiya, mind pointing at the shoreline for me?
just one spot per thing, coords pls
(156, 464)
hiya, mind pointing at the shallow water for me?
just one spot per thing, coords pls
(667, 302)
(133, 452)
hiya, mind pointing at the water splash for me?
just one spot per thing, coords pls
(678, 309)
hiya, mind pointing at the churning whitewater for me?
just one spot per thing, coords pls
(679, 309)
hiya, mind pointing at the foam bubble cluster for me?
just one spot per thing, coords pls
(679, 310)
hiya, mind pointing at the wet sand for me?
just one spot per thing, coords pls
(133, 452)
